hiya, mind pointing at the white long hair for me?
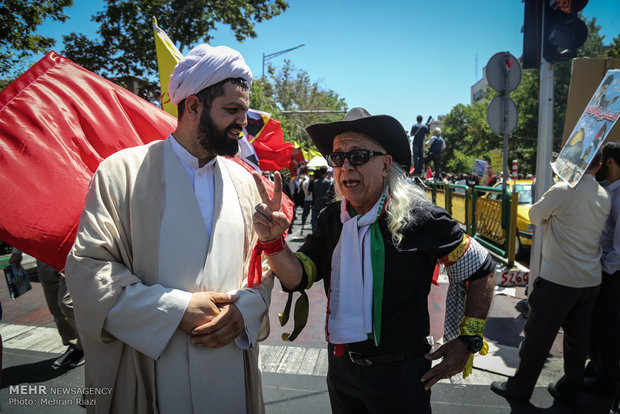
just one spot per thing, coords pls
(404, 199)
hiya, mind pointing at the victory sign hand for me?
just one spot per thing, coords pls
(269, 220)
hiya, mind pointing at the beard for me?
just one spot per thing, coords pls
(215, 140)
(601, 173)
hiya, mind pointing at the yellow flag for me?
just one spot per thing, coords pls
(167, 57)
(311, 153)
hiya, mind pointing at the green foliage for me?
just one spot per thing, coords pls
(460, 163)
(614, 49)
(19, 20)
(291, 89)
(126, 45)
(468, 136)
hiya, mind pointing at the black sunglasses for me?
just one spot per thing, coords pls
(355, 157)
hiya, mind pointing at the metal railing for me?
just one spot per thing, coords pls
(490, 220)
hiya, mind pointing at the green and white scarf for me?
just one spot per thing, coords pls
(358, 264)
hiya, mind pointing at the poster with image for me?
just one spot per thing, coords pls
(591, 130)
(17, 280)
(480, 167)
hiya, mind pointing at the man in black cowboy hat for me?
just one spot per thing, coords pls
(375, 249)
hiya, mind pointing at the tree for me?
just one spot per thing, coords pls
(126, 47)
(19, 20)
(614, 49)
(291, 89)
(468, 136)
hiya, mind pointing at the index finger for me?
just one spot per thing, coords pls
(433, 375)
(262, 190)
(276, 202)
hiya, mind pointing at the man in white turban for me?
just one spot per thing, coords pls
(158, 271)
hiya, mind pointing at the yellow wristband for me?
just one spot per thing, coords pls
(472, 326)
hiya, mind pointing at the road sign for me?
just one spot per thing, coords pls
(502, 115)
(503, 72)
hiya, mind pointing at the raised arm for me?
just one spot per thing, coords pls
(270, 223)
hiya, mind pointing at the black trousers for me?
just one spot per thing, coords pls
(436, 158)
(385, 388)
(605, 341)
(553, 306)
(307, 207)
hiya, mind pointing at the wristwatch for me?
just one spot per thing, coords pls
(473, 342)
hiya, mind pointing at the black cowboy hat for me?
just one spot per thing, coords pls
(384, 129)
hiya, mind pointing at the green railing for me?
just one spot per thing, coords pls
(490, 220)
(4, 261)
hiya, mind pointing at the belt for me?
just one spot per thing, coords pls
(367, 360)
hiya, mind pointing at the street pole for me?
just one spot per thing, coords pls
(281, 52)
(544, 176)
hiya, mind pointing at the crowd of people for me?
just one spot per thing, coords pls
(178, 248)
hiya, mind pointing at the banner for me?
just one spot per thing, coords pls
(497, 160)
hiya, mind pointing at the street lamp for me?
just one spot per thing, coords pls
(281, 52)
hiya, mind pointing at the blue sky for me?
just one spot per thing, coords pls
(401, 58)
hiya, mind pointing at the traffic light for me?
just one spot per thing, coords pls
(564, 32)
(532, 30)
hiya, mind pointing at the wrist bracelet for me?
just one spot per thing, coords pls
(255, 271)
(272, 247)
(472, 326)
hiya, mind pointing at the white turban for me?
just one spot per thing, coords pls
(204, 66)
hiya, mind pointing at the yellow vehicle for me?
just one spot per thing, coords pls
(524, 229)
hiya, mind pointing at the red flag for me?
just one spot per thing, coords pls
(297, 159)
(57, 122)
(429, 173)
(268, 141)
(436, 275)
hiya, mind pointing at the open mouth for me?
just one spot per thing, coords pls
(351, 183)
(234, 134)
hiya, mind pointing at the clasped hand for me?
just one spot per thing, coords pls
(212, 320)
(269, 220)
(455, 355)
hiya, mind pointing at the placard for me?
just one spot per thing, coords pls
(17, 280)
(591, 130)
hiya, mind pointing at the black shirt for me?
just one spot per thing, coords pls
(408, 272)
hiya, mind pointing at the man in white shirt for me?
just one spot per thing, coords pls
(158, 271)
(566, 289)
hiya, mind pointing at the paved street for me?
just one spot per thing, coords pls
(293, 373)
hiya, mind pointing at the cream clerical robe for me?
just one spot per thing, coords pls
(141, 234)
